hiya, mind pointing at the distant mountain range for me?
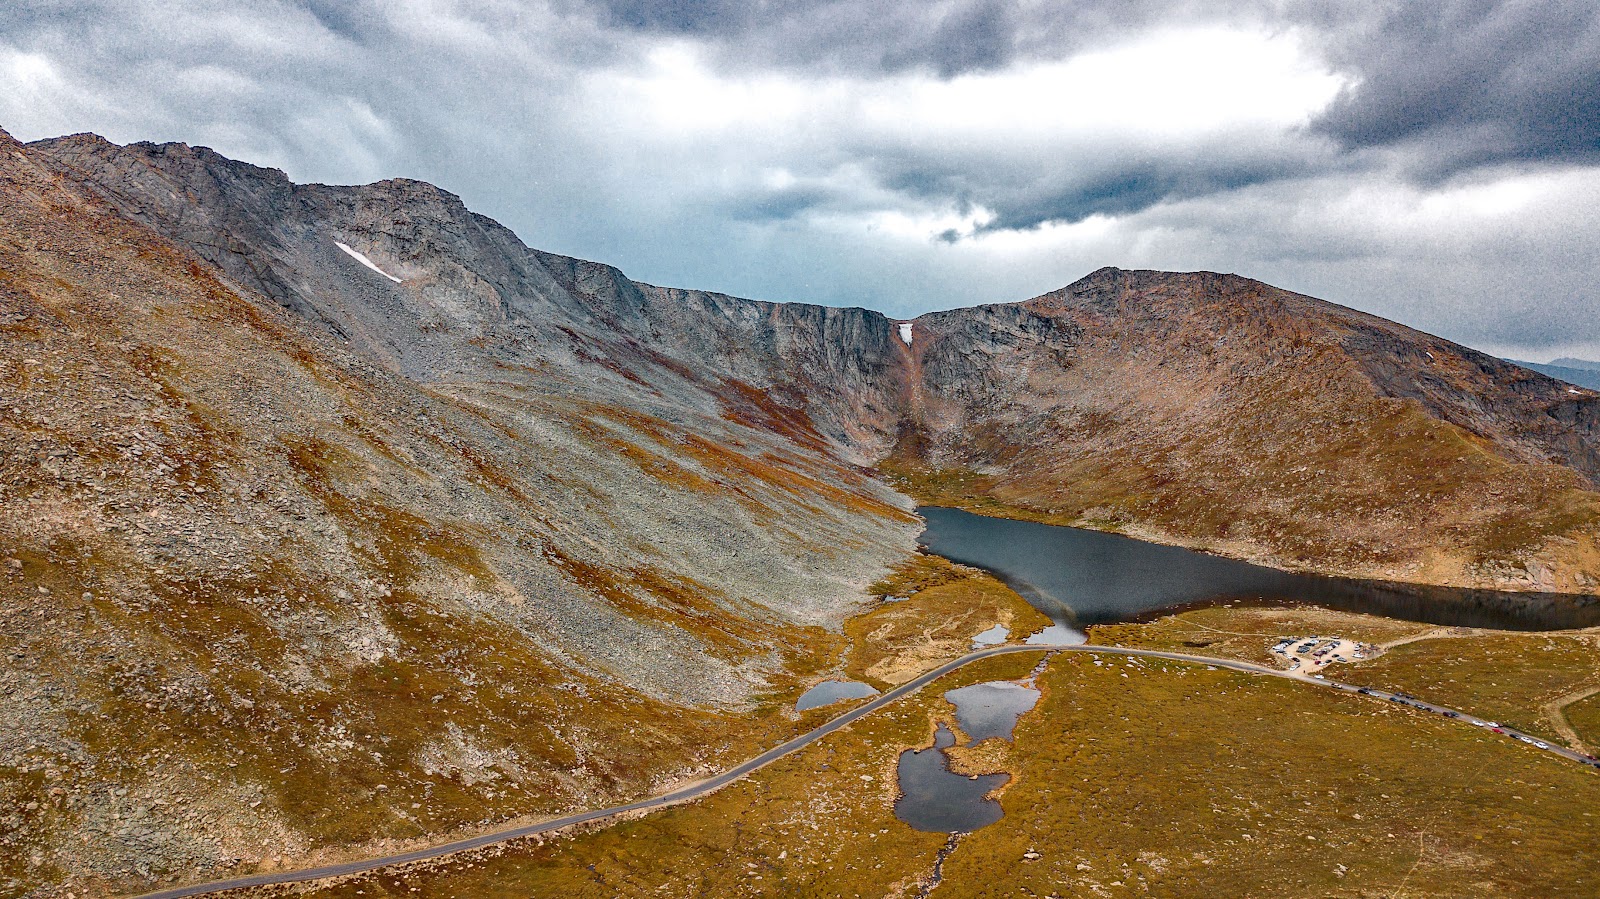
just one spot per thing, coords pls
(1574, 371)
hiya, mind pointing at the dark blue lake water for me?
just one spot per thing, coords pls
(1080, 577)
(935, 800)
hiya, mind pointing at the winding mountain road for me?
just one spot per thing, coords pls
(713, 784)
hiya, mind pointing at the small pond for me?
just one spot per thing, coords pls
(992, 709)
(994, 636)
(831, 691)
(1057, 635)
(935, 800)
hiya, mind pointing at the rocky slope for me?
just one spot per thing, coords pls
(469, 291)
(1217, 411)
(336, 513)
(297, 556)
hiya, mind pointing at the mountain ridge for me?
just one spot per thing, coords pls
(1572, 374)
(274, 587)
(872, 396)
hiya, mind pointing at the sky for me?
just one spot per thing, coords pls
(1436, 162)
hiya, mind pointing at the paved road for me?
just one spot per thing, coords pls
(766, 758)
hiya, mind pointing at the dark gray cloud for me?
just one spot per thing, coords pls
(911, 155)
(1463, 83)
(1130, 186)
(778, 204)
(697, 17)
(1457, 83)
(353, 21)
(974, 36)
(948, 37)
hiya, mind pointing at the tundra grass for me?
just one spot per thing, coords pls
(942, 607)
(820, 822)
(1167, 779)
(1131, 777)
(1248, 633)
(1584, 716)
(1506, 677)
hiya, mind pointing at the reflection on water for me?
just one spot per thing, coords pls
(991, 637)
(992, 709)
(1057, 635)
(934, 800)
(831, 691)
(1080, 577)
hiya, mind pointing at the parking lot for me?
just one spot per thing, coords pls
(1309, 655)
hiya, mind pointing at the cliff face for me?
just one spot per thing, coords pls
(470, 291)
(346, 503)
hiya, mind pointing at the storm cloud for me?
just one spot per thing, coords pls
(1465, 84)
(1433, 162)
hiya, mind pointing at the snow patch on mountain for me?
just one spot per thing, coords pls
(358, 256)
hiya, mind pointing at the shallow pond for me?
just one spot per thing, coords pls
(994, 636)
(934, 800)
(1080, 577)
(992, 709)
(831, 691)
(1057, 635)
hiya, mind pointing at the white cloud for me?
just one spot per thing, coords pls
(1174, 85)
(36, 94)
(1170, 85)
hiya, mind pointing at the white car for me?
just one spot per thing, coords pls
(1541, 744)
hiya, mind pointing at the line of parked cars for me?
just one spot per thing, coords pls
(1285, 646)
(1493, 726)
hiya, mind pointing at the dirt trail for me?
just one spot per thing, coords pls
(1437, 633)
(1552, 712)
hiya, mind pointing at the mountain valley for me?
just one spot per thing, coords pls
(337, 520)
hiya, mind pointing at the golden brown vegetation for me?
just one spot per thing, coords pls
(1131, 776)
(1506, 676)
(945, 606)
(1189, 444)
